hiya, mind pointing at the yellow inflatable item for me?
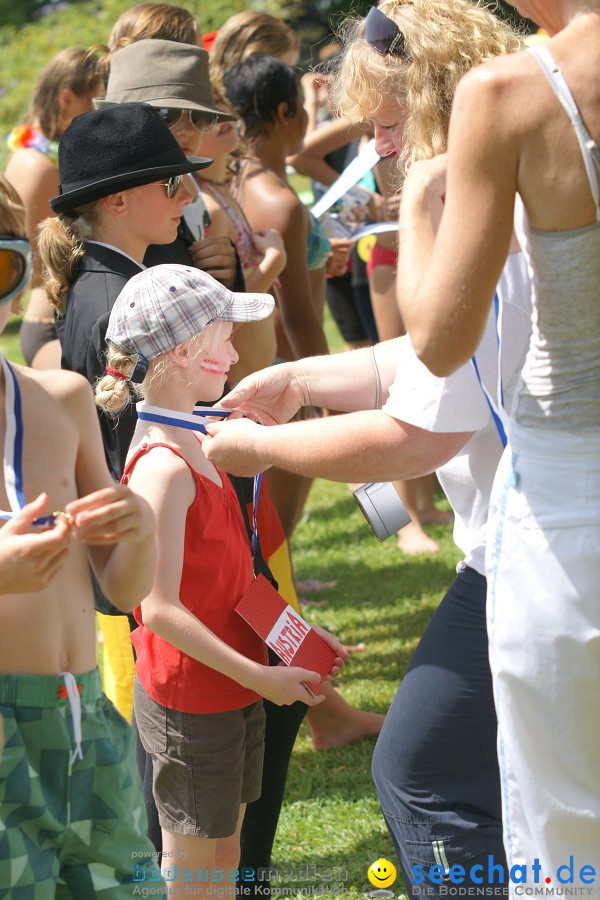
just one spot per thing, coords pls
(365, 245)
(118, 667)
(280, 566)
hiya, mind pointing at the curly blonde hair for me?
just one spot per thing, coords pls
(245, 34)
(443, 39)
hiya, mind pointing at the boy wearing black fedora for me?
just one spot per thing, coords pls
(174, 79)
(121, 173)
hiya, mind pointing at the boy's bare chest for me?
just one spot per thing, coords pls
(49, 452)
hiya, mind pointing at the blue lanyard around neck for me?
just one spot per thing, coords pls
(195, 421)
(495, 412)
(13, 447)
(192, 421)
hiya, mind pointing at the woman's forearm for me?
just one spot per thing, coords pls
(351, 381)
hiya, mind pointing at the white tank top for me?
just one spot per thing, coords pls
(560, 380)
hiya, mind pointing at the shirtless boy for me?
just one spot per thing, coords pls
(71, 808)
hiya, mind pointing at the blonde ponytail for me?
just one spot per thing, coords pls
(60, 245)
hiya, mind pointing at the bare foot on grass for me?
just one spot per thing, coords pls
(413, 541)
(336, 723)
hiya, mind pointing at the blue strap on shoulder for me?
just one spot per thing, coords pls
(492, 407)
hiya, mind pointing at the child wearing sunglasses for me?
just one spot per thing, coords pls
(201, 670)
(115, 199)
(71, 806)
(173, 78)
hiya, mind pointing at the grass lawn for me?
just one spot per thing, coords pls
(331, 817)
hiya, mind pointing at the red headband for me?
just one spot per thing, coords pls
(115, 373)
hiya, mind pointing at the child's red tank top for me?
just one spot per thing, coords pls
(217, 570)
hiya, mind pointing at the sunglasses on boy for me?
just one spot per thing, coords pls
(383, 35)
(15, 267)
(172, 185)
(200, 119)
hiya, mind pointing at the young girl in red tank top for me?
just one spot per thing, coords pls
(200, 670)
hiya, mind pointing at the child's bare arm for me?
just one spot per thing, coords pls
(117, 524)
(167, 485)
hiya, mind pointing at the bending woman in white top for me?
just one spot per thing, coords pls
(434, 766)
(530, 124)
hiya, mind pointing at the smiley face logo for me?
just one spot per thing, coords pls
(381, 873)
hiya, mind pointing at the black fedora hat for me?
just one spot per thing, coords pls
(113, 149)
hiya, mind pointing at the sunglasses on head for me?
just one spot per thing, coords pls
(15, 267)
(383, 35)
(200, 119)
(172, 185)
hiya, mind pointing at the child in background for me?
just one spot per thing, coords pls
(71, 807)
(265, 93)
(262, 254)
(65, 89)
(145, 21)
(201, 669)
(247, 32)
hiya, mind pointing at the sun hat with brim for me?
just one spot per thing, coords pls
(163, 306)
(109, 150)
(162, 74)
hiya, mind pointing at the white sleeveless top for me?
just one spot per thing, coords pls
(560, 380)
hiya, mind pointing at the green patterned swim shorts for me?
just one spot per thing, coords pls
(72, 815)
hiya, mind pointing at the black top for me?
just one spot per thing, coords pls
(100, 278)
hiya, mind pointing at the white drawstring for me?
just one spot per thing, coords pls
(75, 704)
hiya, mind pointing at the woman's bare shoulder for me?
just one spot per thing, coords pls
(29, 167)
(507, 94)
(268, 202)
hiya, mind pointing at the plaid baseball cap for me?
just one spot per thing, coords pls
(163, 306)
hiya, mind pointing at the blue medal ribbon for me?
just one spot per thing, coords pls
(192, 421)
(195, 421)
(13, 448)
(494, 409)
